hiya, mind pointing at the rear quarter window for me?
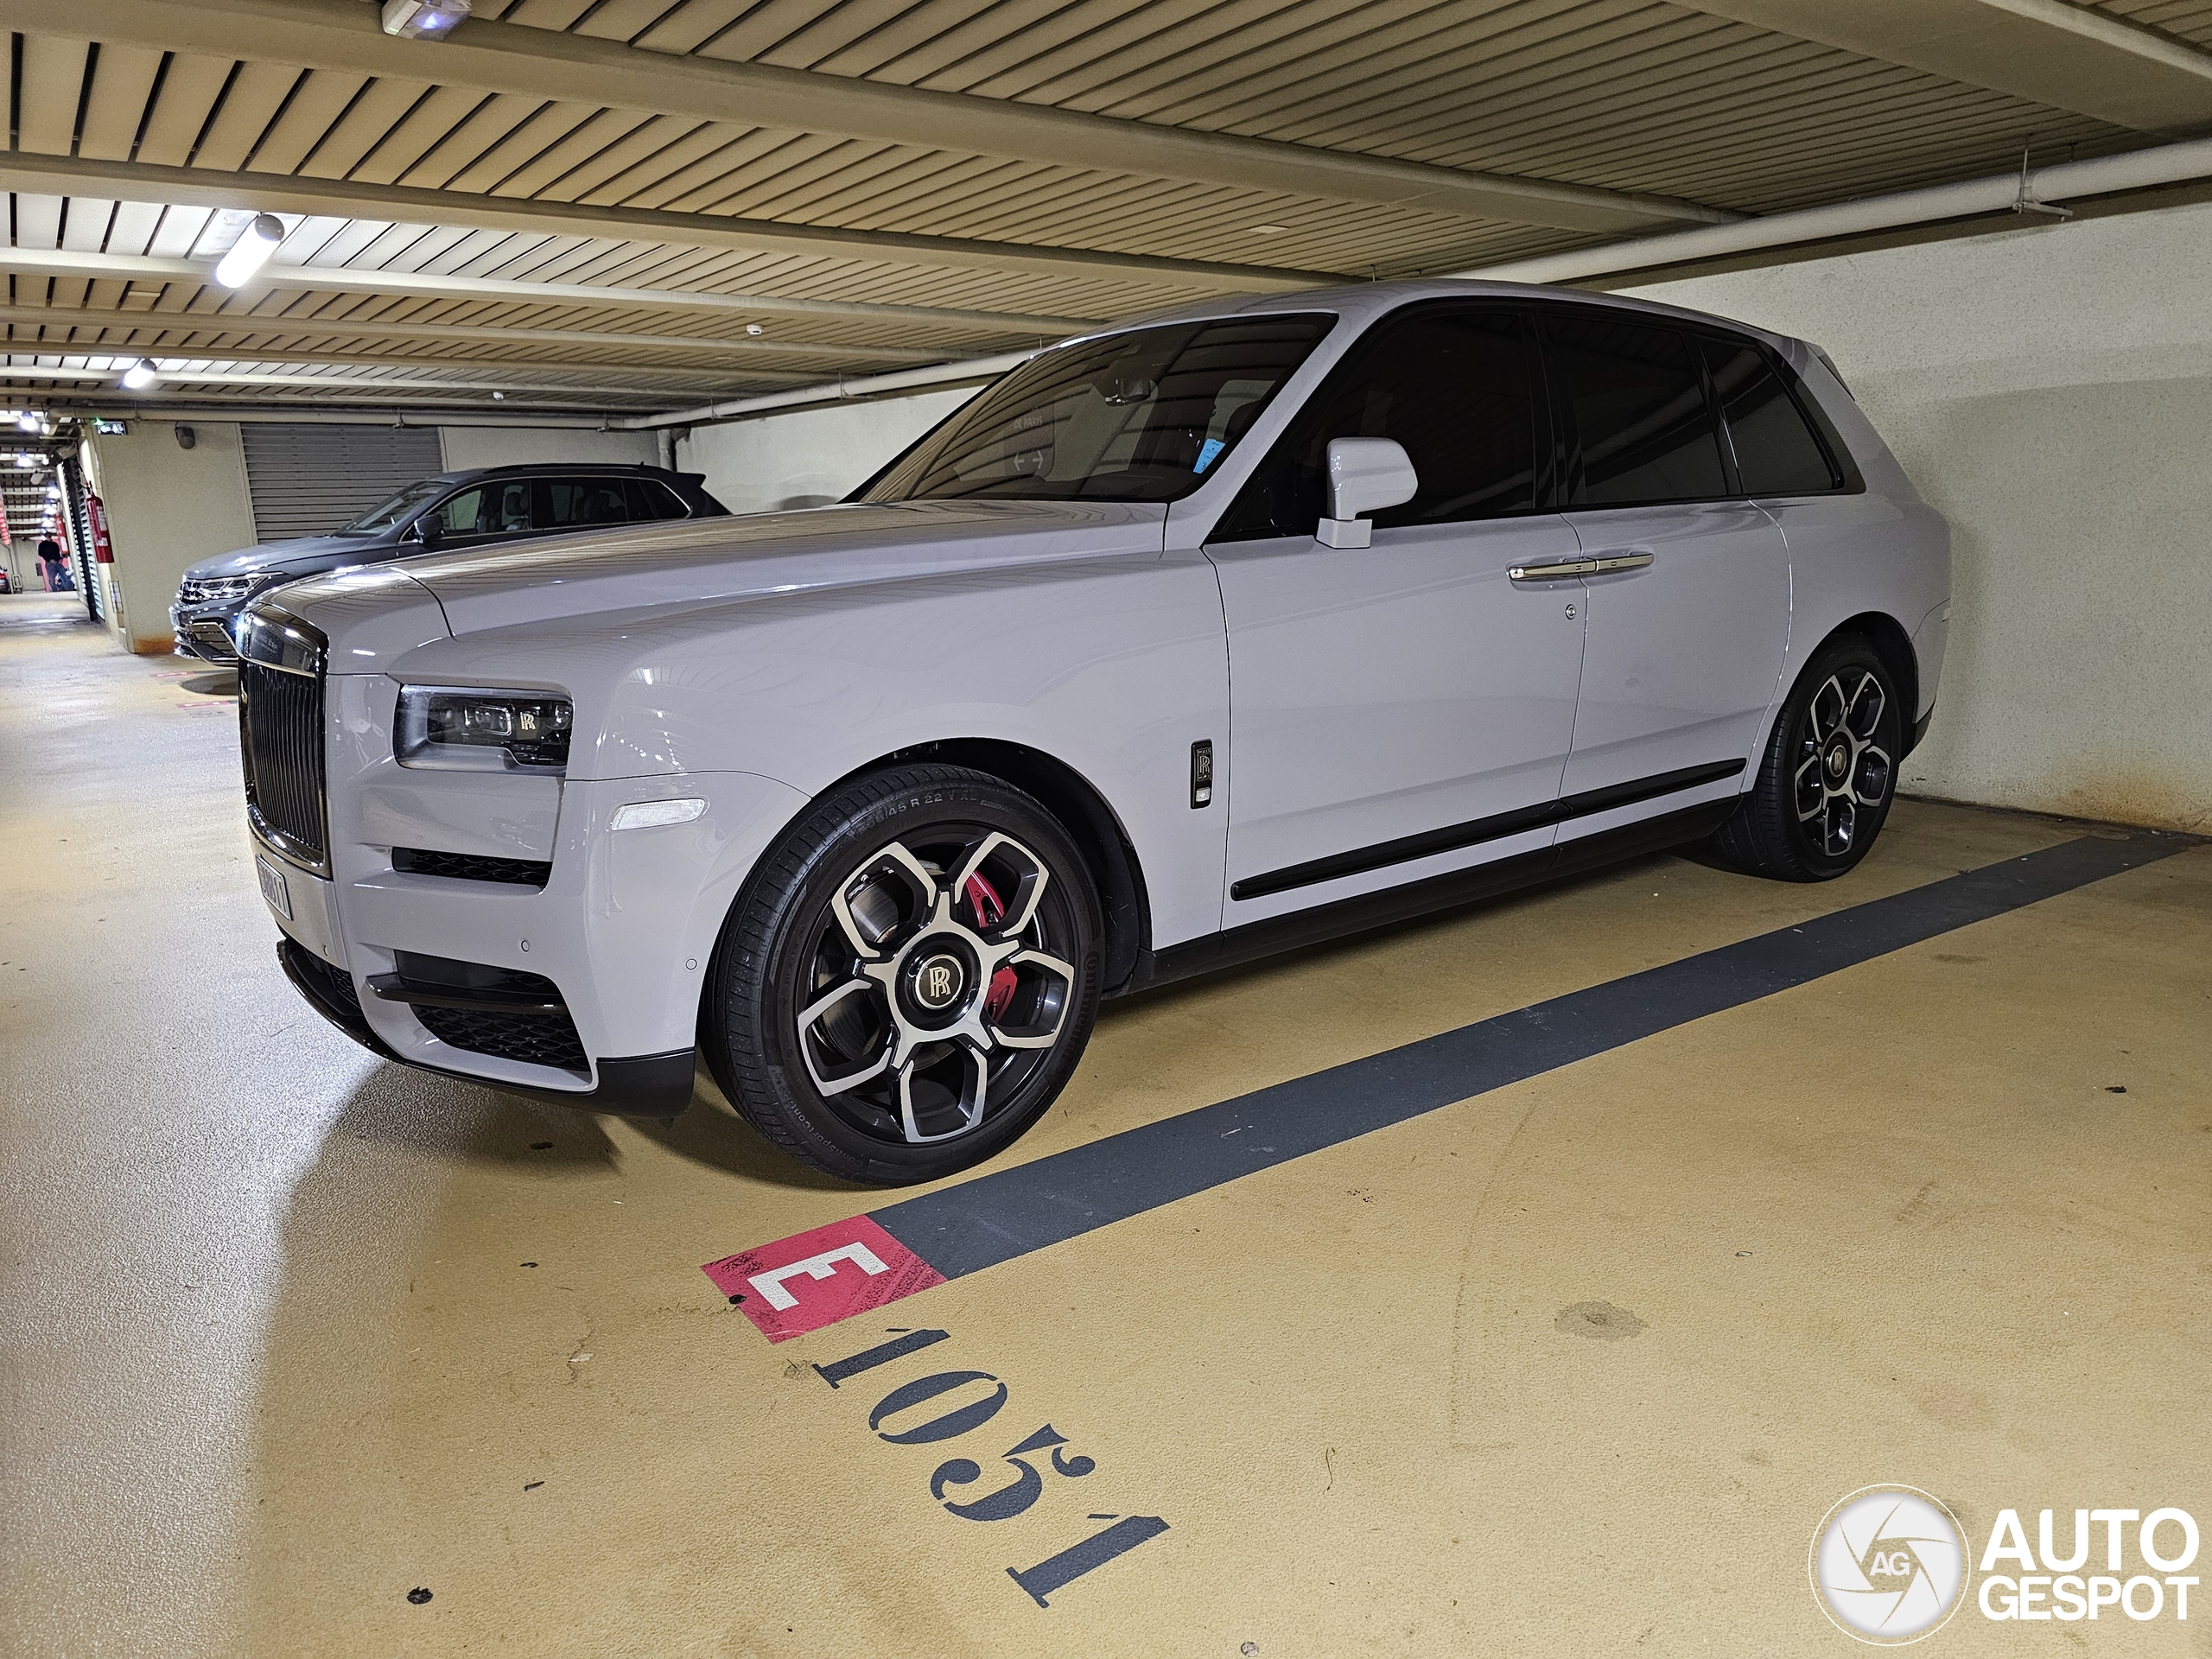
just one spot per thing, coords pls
(1777, 451)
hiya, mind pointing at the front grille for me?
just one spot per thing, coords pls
(280, 723)
(537, 1040)
(468, 867)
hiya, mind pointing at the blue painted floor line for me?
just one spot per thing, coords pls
(977, 1223)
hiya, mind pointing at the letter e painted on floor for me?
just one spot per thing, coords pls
(813, 1278)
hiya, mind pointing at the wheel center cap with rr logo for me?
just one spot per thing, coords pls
(938, 981)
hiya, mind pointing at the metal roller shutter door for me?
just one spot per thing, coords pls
(308, 481)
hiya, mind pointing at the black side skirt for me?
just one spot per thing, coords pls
(643, 1085)
(1475, 831)
(1376, 910)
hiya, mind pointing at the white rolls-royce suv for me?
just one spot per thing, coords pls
(1184, 642)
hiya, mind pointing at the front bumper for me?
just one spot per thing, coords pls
(642, 1085)
(207, 631)
(617, 940)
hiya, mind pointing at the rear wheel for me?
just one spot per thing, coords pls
(909, 979)
(1824, 787)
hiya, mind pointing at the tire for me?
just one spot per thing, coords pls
(909, 977)
(1824, 787)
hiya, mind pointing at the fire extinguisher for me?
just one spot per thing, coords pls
(96, 515)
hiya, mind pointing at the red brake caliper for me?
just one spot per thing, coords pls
(989, 911)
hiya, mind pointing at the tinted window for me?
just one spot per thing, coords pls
(650, 499)
(1456, 387)
(494, 509)
(577, 503)
(1633, 395)
(1776, 452)
(1138, 416)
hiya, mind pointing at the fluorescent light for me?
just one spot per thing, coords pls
(140, 375)
(29, 420)
(416, 20)
(648, 814)
(251, 251)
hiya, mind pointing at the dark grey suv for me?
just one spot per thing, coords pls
(463, 509)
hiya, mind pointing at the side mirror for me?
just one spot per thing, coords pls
(427, 530)
(1365, 475)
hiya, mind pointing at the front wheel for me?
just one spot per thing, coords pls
(1824, 786)
(909, 978)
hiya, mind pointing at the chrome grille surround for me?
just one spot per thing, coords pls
(281, 734)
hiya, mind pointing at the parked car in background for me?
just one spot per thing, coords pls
(1184, 642)
(481, 507)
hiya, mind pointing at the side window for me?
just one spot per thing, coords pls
(649, 498)
(1777, 453)
(1633, 398)
(1456, 386)
(579, 503)
(495, 509)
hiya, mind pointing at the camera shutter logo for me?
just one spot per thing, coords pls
(1889, 1564)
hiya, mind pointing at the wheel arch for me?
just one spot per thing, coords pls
(1082, 810)
(1893, 644)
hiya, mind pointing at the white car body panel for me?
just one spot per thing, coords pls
(1352, 697)
(1683, 657)
(1383, 690)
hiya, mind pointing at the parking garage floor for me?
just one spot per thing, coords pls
(1573, 1366)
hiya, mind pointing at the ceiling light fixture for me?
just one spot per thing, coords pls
(251, 251)
(29, 420)
(140, 375)
(423, 19)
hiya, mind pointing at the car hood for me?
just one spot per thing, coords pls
(305, 555)
(700, 561)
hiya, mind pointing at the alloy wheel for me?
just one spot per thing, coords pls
(936, 984)
(1841, 771)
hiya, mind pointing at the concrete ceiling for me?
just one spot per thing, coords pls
(618, 190)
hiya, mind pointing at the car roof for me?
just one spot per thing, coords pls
(1361, 304)
(565, 469)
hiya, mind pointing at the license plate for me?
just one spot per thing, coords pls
(273, 889)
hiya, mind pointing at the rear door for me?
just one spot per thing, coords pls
(1687, 584)
(1401, 709)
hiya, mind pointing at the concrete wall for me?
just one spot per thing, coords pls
(805, 459)
(509, 446)
(2051, 390)
(21, 558)
(167, 507)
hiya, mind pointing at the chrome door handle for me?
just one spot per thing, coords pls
(1607, 562)
(1555, 570)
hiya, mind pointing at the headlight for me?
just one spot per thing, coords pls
(462, 729)
(206, 588)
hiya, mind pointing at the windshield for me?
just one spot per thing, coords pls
(1138, 416)
(398, 510)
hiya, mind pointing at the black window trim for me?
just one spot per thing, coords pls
(1546, 438)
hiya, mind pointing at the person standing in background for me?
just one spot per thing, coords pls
(52, 567)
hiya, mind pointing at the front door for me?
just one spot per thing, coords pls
(1401, 709)
(1689, 601)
